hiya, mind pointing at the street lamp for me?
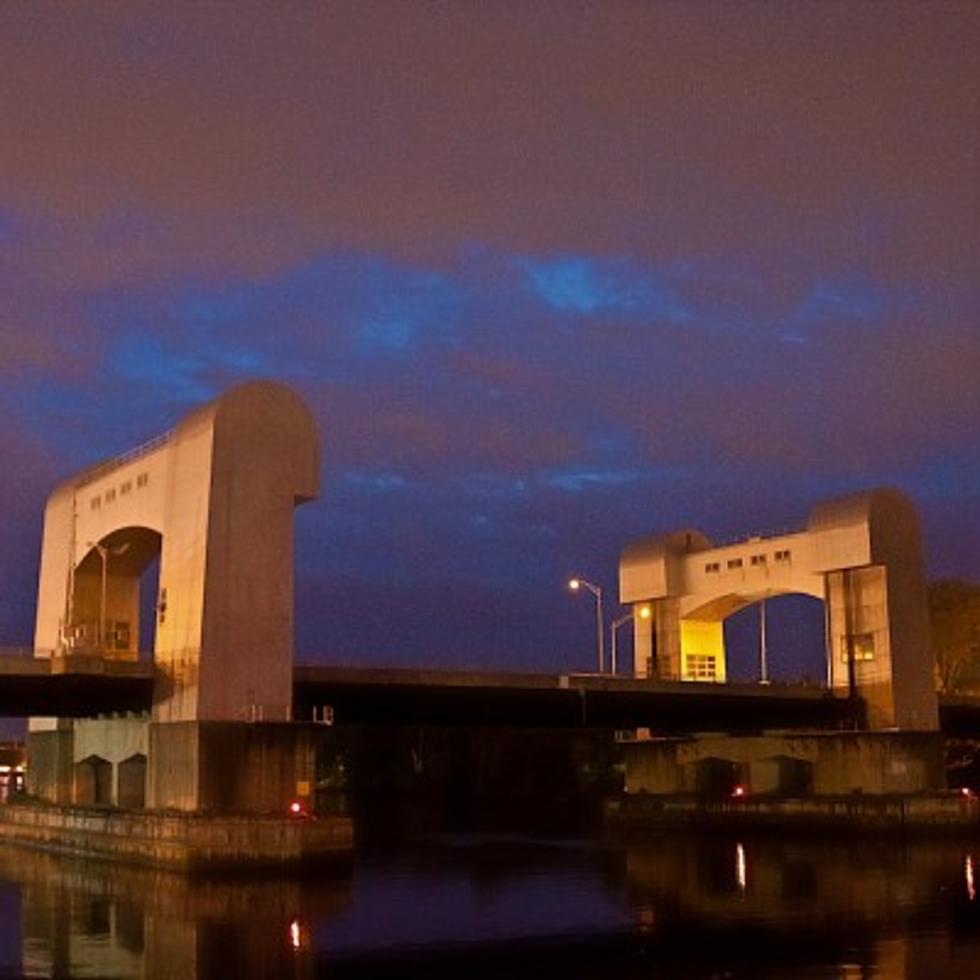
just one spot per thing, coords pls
(763, 644)
(643, 612)
(104, 553)
(575, 585)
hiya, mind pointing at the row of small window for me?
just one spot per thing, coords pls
(110, 495)
(712, 567)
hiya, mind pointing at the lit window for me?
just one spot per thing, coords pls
(701, 667)
(861, 646)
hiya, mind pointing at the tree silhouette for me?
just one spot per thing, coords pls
(954, 613)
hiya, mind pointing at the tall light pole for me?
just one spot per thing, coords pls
(643, 612)
(763, 644)
(575, 585)
(104, 553)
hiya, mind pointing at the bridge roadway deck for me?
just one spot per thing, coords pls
(393, 696)
(87, 686)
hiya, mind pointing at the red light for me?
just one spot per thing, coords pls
(965, 791)
(296, 808)
(738, 791)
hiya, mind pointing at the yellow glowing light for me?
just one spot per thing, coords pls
(573, 584)
(645, 612)
(741, 870)
(295, 937)
(971, 889)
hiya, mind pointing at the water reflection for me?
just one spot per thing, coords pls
(675, 907)
(869, 909)
(92, 919)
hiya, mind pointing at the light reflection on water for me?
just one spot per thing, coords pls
(673, 907)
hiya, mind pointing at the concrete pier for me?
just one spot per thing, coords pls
(183, 842)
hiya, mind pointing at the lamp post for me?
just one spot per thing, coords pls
(575, 585)
(763, 644)
(104, 553)
(643, 612)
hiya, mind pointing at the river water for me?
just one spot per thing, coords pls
(481, 907)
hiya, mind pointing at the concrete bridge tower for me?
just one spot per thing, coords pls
(214, 498)
(860, 554)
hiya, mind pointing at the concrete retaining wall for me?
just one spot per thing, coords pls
(817, 764)
(927, 813)
(178, 841)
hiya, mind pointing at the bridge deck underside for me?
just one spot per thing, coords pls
(72, 695)
(446, 698)
(428, 697)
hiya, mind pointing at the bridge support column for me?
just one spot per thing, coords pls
(232, 767)
(657, 641)
(50, 760)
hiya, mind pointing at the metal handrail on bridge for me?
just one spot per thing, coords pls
(102, 469)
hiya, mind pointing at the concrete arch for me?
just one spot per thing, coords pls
(718, 608)
(860, 554)
(702, 629)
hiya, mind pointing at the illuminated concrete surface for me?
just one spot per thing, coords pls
(214, 498)
(860, 555)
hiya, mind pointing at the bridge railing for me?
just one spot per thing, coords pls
(102, 469)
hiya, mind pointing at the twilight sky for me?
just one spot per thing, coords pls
(550, 275)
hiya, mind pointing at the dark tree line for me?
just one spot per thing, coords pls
(954, 614)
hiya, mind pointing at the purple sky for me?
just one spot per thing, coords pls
(551, 276)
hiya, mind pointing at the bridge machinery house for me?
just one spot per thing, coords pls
(860, 555)
(214, 499)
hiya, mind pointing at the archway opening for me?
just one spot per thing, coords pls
(132, 782)
(107, 594)
(782, 638)
(93, 781)
(716, 778)
(149, 608)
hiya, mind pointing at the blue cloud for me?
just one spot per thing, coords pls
(584, 479)
(142, 358)
(589, 286)
(358, 304)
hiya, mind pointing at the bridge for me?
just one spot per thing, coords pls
(453, 697)
(79, 687)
